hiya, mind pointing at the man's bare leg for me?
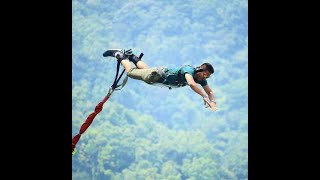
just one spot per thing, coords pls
(125, 61)
(127, 65)
(141, 65)
(137, 61)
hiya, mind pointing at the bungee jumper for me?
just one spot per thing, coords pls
(168, 77)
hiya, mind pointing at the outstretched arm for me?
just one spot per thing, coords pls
(212, 102)
(194, 86)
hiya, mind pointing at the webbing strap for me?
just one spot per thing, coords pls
(116, 79)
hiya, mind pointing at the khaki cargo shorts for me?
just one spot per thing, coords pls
(150, 75)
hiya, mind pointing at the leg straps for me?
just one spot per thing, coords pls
(133, 58)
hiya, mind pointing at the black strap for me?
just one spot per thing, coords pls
(140, 56)
(116, 79)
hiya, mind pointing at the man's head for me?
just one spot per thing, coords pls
(203, 72)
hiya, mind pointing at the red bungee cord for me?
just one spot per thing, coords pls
(98, 108)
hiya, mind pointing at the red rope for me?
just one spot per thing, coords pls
(88, 121)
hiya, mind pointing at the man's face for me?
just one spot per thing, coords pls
(200, 76)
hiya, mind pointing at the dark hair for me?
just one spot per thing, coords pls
(207, 66)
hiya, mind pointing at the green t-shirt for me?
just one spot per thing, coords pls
(172, 78)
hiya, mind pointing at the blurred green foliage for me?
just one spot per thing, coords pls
(146, 132)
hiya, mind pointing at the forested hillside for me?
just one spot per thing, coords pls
(148, 132)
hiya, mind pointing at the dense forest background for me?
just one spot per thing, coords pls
(148, 132)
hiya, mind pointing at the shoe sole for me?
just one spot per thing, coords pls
(111, 52)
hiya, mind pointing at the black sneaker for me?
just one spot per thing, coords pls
(120, 54)
(112, 52)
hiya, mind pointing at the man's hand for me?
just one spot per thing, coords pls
(212, 105)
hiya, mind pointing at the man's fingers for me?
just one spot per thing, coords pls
(206, 101)
(213, 108)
